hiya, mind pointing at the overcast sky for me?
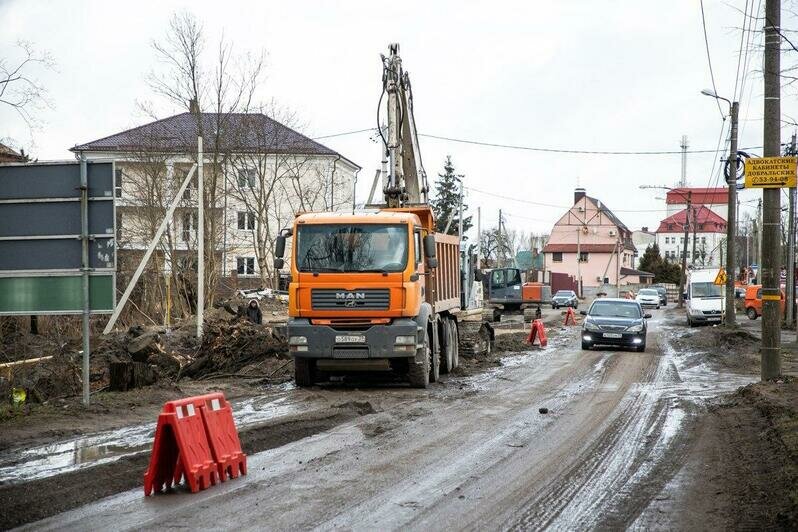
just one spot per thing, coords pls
(576, 75)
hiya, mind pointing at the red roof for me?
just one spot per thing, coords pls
(585, 248)
(707, 222)
(699, 196)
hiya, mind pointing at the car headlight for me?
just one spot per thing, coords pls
(635, 328)
(406, 340)
(590, 326)
(695, 312)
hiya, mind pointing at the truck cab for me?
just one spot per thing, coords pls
(367, 288)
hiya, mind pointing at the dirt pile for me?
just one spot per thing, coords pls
(752, 451)
(229, 348)
(735, 349)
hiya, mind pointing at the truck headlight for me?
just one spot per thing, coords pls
(406, 340)
(590, 326)
(635, 328)
(298, 340)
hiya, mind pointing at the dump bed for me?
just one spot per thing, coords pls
(443, 286)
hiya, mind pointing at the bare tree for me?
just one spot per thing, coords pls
(213, 88)
(20, 90)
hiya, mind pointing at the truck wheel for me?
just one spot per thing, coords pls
(304, 371)
(435, 358)
(445, 336)
(418, 373)
(455, 344)
(751, 313)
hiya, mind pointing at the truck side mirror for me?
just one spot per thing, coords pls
(429, 251)
(279, 252)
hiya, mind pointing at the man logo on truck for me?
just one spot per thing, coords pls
(350, 298)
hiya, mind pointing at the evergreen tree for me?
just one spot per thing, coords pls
(446, 203)
(664, 271)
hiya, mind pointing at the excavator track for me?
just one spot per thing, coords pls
(475, 338)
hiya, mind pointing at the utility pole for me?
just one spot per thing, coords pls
(683, 277)
(771, 197)
(200, 240)
(790, 281)
(684, 145)
(499, 243)
(731, 221)
(460, 214)
(579, 261)
(479, 237)
(695, 228)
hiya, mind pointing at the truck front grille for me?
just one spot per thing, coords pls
(332, 299)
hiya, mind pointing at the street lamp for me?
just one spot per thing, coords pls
(689, 198)
(730, 320)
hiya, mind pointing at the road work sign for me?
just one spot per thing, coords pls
(770, 172)
(720, 279)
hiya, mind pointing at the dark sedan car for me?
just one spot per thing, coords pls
(565, 298)
(663, 294)
(619, 322)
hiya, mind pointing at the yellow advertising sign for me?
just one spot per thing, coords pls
(720, 279)
(770, 172)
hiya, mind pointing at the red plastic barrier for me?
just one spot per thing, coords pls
(569, 316)
(195, 439)
(180, 449)
(537, 330)
(223, 436)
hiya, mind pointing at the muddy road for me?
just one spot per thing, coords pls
(471, 452)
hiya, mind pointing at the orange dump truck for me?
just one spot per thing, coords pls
(376, 290)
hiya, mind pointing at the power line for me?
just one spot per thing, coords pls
(709, 57)
(540, 204)
(535, 148)
(345, 133)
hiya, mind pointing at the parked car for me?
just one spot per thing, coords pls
(753, 301)
(648, 297)
(663, 294)
(614, 321)
(565, 298)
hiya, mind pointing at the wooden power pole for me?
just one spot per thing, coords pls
(771, 198)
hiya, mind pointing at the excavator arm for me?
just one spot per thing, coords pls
(406, 181)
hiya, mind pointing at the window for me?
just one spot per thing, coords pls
(670, 227)
(700, 227)
(189, 225)
(187, 194)
(583, 256)
(352, 248)
(513, 278)
(247, 178)
(245, 265)
(703, 240)
(497, 279)
(667, 240)
(246, 221)
(681, 240)
(556, 256)
(118, 183)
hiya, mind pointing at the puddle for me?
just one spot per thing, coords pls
(25, 464)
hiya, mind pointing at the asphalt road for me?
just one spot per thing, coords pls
(471, 453)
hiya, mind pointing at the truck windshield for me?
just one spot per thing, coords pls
(705, 290)
(352, 248)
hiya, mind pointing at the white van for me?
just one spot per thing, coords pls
(705, 299)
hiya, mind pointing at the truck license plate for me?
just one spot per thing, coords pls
(613, 335)
(350, 339)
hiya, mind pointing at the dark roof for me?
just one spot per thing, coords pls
(7, 154)
(632, 271)
(609, 214)
(237, 132)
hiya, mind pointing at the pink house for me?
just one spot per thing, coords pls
(590, 243)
